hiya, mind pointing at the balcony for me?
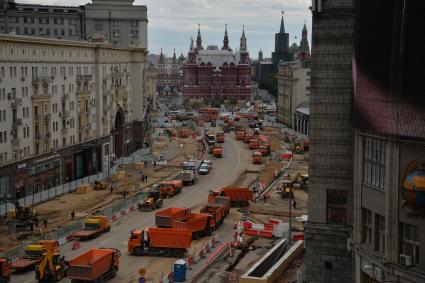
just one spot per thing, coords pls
(16, 123)
(16, 102)
(42, 79)
(84, 78)
(41, 96)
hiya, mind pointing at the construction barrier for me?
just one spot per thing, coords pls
(192, 259)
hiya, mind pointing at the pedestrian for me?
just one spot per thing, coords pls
(112, 189)
(154, 164)
(146, 178)
(45, 223)
(264, 198)
(72, 215)
(294, 204)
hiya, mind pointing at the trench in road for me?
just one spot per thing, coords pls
(225, 171)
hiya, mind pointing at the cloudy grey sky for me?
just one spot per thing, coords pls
(173, 22)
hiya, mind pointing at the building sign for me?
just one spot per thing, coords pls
(412, 183)
(46, 158)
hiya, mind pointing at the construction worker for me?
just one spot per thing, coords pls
(72, 215)
(294, 204)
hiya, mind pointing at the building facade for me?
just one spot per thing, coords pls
(169, 74)
(294, 88)
(118, 21)
(329, 227)
(59, 22)
(293, 93)
(64, 107)
(389, 160)
(217, 73)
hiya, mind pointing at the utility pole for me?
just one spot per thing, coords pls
(290, 215)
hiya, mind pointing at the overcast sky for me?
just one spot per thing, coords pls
(173, 22)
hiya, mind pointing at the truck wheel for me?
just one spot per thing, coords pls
(137, 251)
(167, 253)
(207, 232)
(108, 229)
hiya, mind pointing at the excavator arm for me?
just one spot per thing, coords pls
(47, 260)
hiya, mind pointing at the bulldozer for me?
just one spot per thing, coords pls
(52, 267)
(153, 201)
(99, 186)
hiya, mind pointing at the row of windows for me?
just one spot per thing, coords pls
(115, 23)
(39, 20)
(3, 136)
(373, 234)
(374, 163)
(13, 71)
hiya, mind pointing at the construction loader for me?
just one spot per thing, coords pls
(52, 266)
(153, 202)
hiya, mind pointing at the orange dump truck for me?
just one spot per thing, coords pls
(248, 137)
(220, 137)
(240, 136)
(217, 151)
(170, 188)
(95, 265)
(253, 144)
(224, 201)
(257, 157)
(239, 197)
(93, 227)
(184, 133)
(33, 255)
(165, 217)
(216, 211)
(160, 241)
(199, 224)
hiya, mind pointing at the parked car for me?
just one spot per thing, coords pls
(204, 169)
(208, 163)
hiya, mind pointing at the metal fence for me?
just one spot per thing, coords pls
(62, 233)
(39, 197)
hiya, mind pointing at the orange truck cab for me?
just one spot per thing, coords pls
(263, 149)
(220, 137)
(240, 136)
(218, 151)
(257, 157)
(184, 133)
(248, 137)
(170, 188)
(253, 144)
(160, 241)
(4, 270)
(216, 211)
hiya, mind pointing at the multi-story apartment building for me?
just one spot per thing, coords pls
(293, 80)
(59, 22)
(119, 21)
(65, 105)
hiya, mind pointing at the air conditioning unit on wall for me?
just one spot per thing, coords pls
(406, 260)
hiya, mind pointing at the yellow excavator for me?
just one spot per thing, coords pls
(52, 267)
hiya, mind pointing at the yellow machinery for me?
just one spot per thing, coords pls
(153, 202)
(52, 266)
(98, 186)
